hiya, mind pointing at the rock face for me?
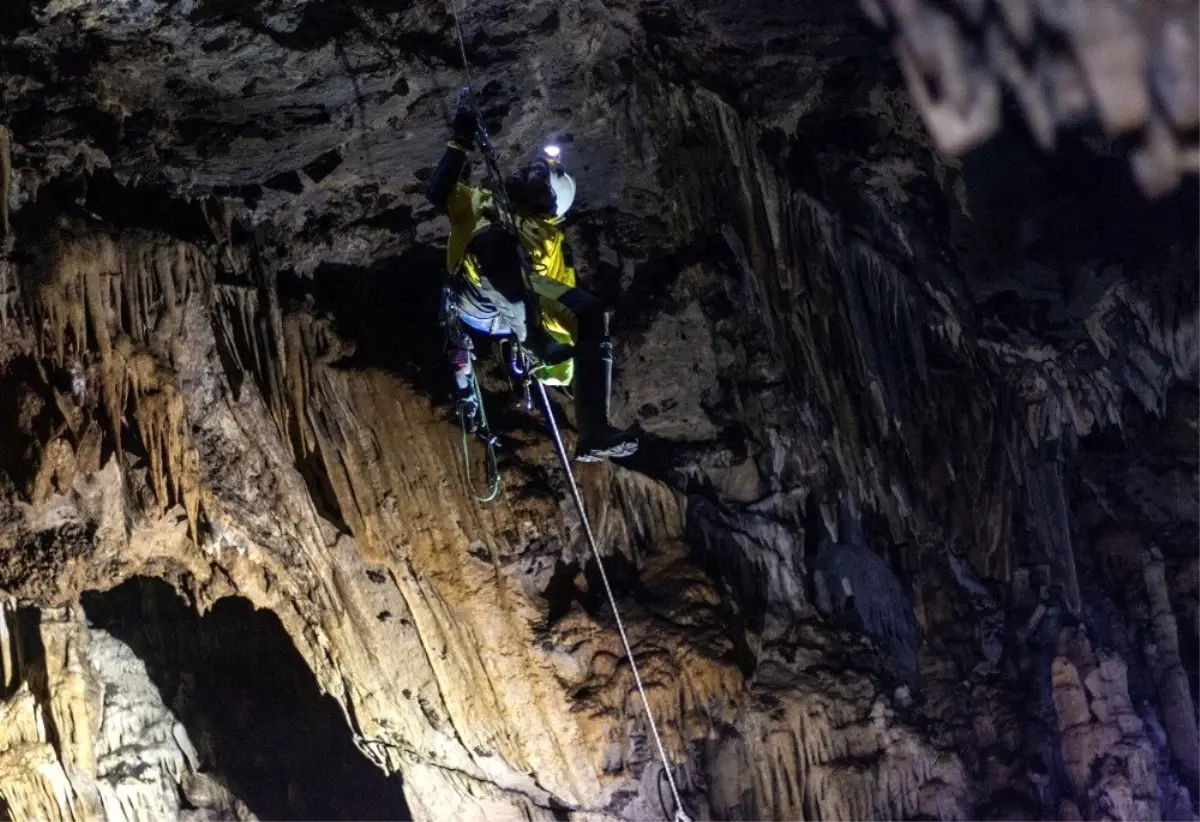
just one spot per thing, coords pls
(912, 530)
(86, 734)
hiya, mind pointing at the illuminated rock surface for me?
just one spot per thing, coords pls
(912, 533)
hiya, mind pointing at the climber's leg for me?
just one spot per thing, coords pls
(598, 439)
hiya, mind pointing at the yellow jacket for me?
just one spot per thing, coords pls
(472, 210)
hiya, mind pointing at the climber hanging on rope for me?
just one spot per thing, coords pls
(522, 285)
(511, 274)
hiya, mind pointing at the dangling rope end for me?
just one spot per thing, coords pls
(484, 432)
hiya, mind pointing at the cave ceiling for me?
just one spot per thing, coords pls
(905, 303)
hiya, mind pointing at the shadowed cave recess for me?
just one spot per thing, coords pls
(248, 703)
(905, 313)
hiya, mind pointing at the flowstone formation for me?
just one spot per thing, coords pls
(912, 530)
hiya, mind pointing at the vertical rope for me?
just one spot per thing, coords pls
(495, 178)
(501, 196)
(680, 816)
(462, 48)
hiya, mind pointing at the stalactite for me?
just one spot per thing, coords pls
(162, 425)
(821, 758)
(124, 294)
(1046, 507)
(6, 180)
(880, 318)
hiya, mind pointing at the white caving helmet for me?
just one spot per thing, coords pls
(562, 182)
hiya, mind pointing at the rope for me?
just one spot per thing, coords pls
(490, 464)
(499, 193)
(495, 180)
(680, 816)
(462, 46)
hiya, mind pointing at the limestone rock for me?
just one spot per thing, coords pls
(1131, 72)
(905, 418)
(85, 733)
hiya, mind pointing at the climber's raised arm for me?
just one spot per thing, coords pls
(450, 169)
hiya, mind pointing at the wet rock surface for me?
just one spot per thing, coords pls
(912, 530)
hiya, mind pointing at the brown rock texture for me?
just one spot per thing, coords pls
(912, 530)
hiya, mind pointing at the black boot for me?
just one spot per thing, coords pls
(598, 439)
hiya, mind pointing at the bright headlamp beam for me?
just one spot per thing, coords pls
(552, 151)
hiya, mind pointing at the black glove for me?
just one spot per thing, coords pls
(466, 124)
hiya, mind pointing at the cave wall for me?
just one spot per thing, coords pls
(86, 733)
(249, 704)
(912, 530)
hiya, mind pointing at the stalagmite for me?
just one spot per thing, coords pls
(85, 734)
(1111, 763)
(1177, 697)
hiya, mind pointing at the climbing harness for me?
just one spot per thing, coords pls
(523, 367)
